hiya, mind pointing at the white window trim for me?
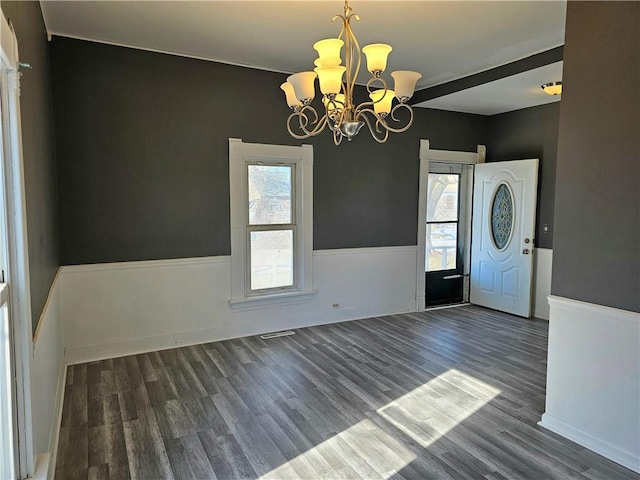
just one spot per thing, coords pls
(241, 154)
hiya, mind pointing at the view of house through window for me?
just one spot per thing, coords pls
(271, 228)
(442, 221)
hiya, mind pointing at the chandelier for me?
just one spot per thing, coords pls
(343, 118)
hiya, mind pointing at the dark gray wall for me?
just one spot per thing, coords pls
(142, 146)
(530, 133)
(38, 150)
(597, 214)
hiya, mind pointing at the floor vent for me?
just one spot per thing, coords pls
(267, 336)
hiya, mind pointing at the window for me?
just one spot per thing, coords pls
(271, 222)
(272, 226)
(442, 222)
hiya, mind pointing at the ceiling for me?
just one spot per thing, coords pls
(444, 40)
(504, 95)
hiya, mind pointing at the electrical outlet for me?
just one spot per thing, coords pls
(335, 305)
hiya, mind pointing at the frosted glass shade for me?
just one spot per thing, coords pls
(327, 62)
(330, 79)
(290, 93)
(377, 54)
(382, 101)
(338, 103)
(329, 50)
(405, 83)
(303, 85)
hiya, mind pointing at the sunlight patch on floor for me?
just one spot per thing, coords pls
(364, 447)
(433, 409)
(425, 414)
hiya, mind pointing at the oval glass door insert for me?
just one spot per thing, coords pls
(502, 216)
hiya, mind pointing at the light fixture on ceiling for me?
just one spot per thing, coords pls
(341, 115)
(553, 88)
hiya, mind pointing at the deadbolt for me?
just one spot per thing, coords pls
(526, 240)
(525, 251)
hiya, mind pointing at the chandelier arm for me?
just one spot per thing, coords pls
(373, 80)
(303, 124)
(374, 131)
(303, 121)
(337, 137)
(335, 118)
(334, 105)
(393, 117)
(353, 57)
(356, 47)
(291, 132)
(383, 121)
(303, 114)
(341, 119)
(343, 24)
(363, 105)
(317, 129)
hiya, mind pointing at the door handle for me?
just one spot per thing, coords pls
(525, 251)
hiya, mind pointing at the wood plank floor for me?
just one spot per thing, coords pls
(446, 394)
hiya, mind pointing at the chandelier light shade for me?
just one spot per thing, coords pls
(330, 79)
(290, 93)
(382, 101)
(329, 51)
(553, 88)
(303, 86)
(377, 54)
(337, 83)
(405, 83)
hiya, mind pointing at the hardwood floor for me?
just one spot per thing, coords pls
(446, 394)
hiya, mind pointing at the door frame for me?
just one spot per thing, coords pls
(18, 256)
(427, 155)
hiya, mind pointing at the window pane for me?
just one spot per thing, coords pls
(502, 216)
(442, 199)
(442, 241)
(270, 194)
(271, 259)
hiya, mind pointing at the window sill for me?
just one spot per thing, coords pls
(272, 299)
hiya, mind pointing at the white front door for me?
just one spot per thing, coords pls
(504, 213)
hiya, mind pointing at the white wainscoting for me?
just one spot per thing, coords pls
(593, 378)
(124, 308)
(47, 381)
(542, 260)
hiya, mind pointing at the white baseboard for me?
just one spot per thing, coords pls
(48, 374)
(135, 346)
(57, 422)
(133, 307)
(42, 468)
(593, 378)
(624, 458)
